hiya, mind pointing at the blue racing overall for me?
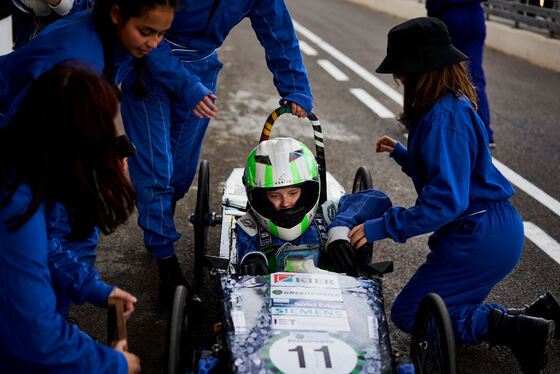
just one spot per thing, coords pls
(333, 221)
(34, 338)
(166, 132)
(252, 238)
(463, 199)
(466, 24)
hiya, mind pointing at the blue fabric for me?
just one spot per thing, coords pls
(168, 138)
(466, 24)
(58, 228)
(352, 210)
(27, 26)
(167, 135)
(468, 258)
(250, 244)
(451, 167)
(33, 337)
(356, 208)
(478, 235)
(71, 39)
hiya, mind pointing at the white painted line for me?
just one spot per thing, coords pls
(371, 103)
(307, 49)
(330, 68)
(360, 71)
(529, 188)
(542, 240)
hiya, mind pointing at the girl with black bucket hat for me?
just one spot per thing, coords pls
(462, 198)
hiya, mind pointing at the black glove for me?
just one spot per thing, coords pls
(253, 264)
(342, 256)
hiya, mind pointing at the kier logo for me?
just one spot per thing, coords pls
(278, 278)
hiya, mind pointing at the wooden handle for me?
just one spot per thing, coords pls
(116, 327)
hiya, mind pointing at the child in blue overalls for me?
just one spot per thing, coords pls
(70, 162)
(168, 132)
(114, 38)
(286, 219)
(462, 198)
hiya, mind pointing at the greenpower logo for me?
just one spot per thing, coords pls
(277, 292)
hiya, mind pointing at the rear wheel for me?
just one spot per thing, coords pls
(362, 180)
(432, 346)
(177, 356)
(201, 221)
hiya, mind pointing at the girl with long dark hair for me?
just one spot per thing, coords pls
(114, 38)
(462, 198)
(59, 151)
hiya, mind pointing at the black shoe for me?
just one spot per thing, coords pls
(545, 307)
(171, 276)
(528, 337)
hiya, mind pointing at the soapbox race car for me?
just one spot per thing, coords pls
(305, 320)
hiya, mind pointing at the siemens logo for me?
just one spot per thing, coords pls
(309, 312)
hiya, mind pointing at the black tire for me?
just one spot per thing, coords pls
(201, 222)
(178, 339)
(362, 180)
(432, 346)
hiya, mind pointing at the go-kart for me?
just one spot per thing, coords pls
(306, 320)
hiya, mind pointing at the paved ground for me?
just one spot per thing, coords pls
(523, 101)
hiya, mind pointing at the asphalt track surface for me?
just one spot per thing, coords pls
(523, 103)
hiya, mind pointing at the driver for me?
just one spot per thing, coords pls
(285, 218)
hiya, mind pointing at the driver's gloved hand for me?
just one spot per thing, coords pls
(342, 256)
(253, 264)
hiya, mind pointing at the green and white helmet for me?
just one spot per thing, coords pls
(278, 163)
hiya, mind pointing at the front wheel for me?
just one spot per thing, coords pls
(178, 333)
(432, 346)
(201, 221)
(362, 180)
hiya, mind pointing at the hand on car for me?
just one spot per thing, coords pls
(357, 236)
(253, 264)
(342, 256)
(297, 110)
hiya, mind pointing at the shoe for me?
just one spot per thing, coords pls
(545, 306)
(171, 276)
(527, 337)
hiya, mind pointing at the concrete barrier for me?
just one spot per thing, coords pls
(5, 35)
(535, 48)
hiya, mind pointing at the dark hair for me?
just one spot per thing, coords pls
(62, 143)
(423, 90)
(101, 14)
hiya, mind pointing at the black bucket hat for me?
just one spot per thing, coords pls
(419, 45)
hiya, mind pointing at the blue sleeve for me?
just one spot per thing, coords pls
(33, 337)
(274, 29)
(80, 281)
(246, 244)
(433, 6)
(357, 208)
(71, 39)
(400, 155)
(447, 159)
(170, 71)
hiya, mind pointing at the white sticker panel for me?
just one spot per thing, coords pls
(298, 353)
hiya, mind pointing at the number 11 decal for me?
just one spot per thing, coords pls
(301, 355)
